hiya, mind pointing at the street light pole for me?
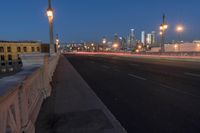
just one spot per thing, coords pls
(163, 28)
(50, 18)
(179, 30)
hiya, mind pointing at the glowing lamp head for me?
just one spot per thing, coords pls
(198, 45)
(179, 28)
(50, 13)
(57, 41)
(165, 26)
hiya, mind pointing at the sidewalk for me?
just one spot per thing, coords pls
(73, 107)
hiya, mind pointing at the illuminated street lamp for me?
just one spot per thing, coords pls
(57, 43)
(50, 18)
(163, 28)
(104, 41)
(179, 30)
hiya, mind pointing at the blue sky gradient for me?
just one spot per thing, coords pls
(86, 20)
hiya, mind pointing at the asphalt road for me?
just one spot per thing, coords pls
(145, 95)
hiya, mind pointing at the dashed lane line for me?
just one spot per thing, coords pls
(137, 77)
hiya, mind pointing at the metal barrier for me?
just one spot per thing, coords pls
(20, 106)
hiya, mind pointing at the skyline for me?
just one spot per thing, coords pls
(88, 20)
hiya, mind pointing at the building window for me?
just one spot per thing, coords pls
(38, 49)
(9, 57)
(33, 49)
(25, 49)
(1, 50)
(18, 49)
(2, 58)
(9, 49)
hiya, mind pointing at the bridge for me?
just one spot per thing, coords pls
(98, 92)
(33, 98)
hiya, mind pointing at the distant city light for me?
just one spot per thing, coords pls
(57, 41)
(115, 45)
(139, 46)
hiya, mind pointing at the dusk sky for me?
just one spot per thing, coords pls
(86, 20)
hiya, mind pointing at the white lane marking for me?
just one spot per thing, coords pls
(183, 92)
(192, 74)
(138, 77)
(106, 67)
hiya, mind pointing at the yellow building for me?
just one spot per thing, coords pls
(10, 50)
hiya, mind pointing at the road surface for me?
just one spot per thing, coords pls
(146, 96)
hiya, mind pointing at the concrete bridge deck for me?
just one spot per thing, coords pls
(73, 107)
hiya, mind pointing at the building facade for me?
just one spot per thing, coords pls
(10, 52)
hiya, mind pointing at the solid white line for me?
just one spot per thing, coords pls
(138, 77)
(193, 74)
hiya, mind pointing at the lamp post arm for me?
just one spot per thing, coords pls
(49, 4)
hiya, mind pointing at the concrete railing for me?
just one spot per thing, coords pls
(20, 105)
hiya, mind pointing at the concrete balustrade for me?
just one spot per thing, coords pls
(21, 96)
